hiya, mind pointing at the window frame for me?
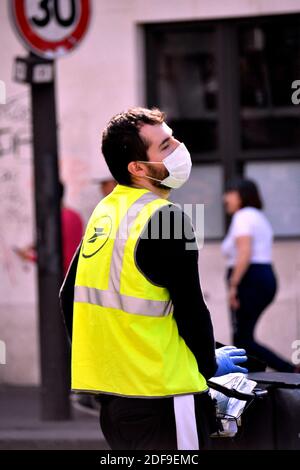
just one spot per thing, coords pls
(230, 153)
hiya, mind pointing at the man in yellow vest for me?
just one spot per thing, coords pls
(142, 336)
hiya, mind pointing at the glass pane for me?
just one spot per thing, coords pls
(269, 63)
(204, 187)
(279, 183)
(187, 87)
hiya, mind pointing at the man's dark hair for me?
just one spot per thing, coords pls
(122, 143)
(248, 192)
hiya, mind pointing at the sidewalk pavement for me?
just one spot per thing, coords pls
(21, 427)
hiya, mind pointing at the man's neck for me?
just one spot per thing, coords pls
(161, 192)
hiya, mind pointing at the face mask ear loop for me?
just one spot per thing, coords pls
(141, 161)
(146, 176)
(150, 178)
(154, 179)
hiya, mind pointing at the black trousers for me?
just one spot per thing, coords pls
(256, 291)
(150, 423)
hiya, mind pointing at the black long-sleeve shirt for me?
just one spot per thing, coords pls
(167, 255)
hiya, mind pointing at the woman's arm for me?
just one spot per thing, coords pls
(243, 246)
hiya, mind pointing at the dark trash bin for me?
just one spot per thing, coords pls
(271, 422)
(284, 396)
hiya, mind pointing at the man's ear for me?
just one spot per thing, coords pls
(136, 169)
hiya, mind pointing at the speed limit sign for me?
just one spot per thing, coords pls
(51, 28)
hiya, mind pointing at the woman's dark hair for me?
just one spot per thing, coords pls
(122, 143)
(248, 192)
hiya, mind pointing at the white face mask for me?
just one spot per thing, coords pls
(178, 164)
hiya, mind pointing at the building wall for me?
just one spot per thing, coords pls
(103, 76)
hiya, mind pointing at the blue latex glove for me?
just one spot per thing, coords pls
(227, 358)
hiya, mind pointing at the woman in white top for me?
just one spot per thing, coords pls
(250, 276)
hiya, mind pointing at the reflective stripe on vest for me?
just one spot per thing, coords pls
(121, 238)
(112, 298)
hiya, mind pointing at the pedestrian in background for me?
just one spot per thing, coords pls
(250, 276)
(71, 233)
(106, 185)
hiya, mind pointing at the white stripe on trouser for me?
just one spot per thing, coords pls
(186, 425)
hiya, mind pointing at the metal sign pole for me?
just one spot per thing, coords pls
(53, 345)
(49, 31)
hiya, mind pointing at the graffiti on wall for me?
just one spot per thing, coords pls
(16, 211)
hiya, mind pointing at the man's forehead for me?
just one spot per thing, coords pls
(166, 128)
(155, 133)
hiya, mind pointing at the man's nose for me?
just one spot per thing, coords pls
(175, 143)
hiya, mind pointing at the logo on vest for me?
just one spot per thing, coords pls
(97, 235)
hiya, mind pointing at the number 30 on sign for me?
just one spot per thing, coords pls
(51, 28)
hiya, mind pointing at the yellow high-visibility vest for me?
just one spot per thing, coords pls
(125, 338)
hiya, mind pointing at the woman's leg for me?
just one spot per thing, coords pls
(256, 292)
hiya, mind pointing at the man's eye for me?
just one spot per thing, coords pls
(165, 147)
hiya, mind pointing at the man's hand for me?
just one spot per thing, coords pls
(227, 358)
(26, 254)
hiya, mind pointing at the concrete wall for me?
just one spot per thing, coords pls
(103, 76)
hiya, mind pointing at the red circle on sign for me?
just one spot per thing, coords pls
(44, 47)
